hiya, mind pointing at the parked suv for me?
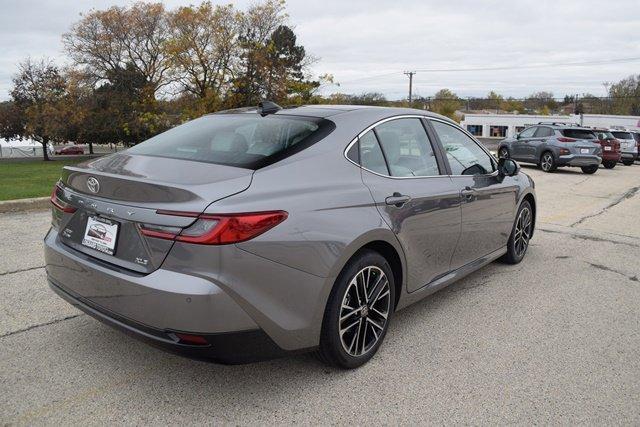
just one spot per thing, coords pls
(628, 146)
(636, 136)
(551, 145)
(610, 147)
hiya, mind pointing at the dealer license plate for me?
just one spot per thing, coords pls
(101, 234)
(584, 151)
(607, 148)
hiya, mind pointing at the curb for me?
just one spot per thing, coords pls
(36, 203)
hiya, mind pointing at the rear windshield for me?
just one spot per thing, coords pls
(578, 133)
(242, 140)
(622, 135)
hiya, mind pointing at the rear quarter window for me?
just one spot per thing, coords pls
(243, 140)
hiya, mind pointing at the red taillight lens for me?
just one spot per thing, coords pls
(564, 151)
(565, 139)
(59, 204)
(219, 229)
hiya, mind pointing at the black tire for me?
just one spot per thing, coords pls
(503, 153)
(609, 164)
(627, 162)
(332, 351)
(515, 253)
(589, 169)
(548, 162)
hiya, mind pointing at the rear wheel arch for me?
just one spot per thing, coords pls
(393, 258)
(385, 244)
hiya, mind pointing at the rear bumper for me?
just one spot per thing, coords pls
(578, 160)
(627, 155)
(610, 156)
(227, 348)
(273, 309)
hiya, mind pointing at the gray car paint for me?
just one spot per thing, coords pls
(280, 281)
(531, 149)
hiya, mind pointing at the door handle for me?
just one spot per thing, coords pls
(468, 193)
(397, 200)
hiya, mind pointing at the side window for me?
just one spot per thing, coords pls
(370, 154)
(407, 148)
(464, 155)
(528, 132)
(543, 132)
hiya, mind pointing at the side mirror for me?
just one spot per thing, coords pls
(517, 136)
(508, 167)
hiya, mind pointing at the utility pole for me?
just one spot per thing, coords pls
(410, 74)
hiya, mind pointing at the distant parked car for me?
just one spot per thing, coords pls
(610, 148)
(551, 145)
(70, 149)
(628, 146)
(636, 136)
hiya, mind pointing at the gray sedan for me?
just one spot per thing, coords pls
(259, 232)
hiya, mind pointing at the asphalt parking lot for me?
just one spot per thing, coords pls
(554, 339)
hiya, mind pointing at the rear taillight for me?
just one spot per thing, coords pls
(219, 229)
(565, 139)
(564, 151)
(60, 204)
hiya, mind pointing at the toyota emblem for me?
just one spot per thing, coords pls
(93, 185)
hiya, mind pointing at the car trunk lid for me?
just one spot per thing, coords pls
(115, 195)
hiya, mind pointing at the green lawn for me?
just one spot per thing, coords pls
(29, 178)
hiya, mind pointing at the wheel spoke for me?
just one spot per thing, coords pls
(379, 313)
(343, 330)
(349, 314)
(380, 327)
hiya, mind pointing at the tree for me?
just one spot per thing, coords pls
(12, 120)
(538, 100)
(37, 88)
(123, 110)
(625, 96)
(257, 25)
(446, 102)
(106, 41)
(202, 48)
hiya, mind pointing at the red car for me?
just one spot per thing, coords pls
(610, 147)
(70, 149)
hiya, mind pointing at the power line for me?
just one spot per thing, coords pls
(504, 68)
(533, 66)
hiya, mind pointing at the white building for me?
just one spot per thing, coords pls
(505, 125)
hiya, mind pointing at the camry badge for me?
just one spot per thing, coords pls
(93, 185)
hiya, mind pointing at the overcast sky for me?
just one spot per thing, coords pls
(359, 40)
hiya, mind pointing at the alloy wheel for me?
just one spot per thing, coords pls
(522, 232)
(364, 311)
(547, 162)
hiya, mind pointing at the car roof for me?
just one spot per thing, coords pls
(329, 110)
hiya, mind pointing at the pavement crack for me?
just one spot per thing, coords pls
(39, 325)
(21, 270)
(592, 238)
(627, 195)
(606, 268)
